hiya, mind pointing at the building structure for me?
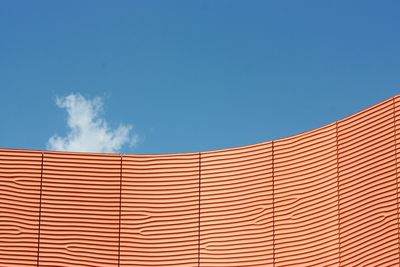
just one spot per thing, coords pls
(326, 197)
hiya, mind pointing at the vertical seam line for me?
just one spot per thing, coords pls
(40, 210)
(119, 216)
(273, 203)
(198, 221)
(338, 191)
(397, 176)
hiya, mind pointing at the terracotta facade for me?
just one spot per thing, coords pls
(327, 197)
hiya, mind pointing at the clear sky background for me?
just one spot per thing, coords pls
(194, 75)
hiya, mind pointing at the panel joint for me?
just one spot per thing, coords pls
(273, 203)
(198, 222)
(397, 176)
(338, 191)
(40, 209)
(119, 216)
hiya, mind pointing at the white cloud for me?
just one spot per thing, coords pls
(88, 131)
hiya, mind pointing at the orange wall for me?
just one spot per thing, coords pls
(327, 197)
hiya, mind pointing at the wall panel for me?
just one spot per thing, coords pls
(160, 210)
(306, 199)
(236, 207)
(368, 188)
(396, 121)
(80, 210)
(20, 173)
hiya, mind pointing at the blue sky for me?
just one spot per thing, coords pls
(194, 75)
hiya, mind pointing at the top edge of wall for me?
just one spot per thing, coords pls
(249, 146)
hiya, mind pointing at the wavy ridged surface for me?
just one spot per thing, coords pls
(327, 197)
(20, 173)
(236, 207)
(160, 205)
(306, 199)
(80, 210)
(368, 188)
(396, 103)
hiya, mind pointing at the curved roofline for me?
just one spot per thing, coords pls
(364, 110)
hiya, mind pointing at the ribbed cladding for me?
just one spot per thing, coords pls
(368, 188)
(19, 207)
(306, 199)
(160, 198)
(236, 207)
(80, 210)
(396, 113)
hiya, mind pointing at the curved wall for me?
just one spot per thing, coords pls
(327, 197)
